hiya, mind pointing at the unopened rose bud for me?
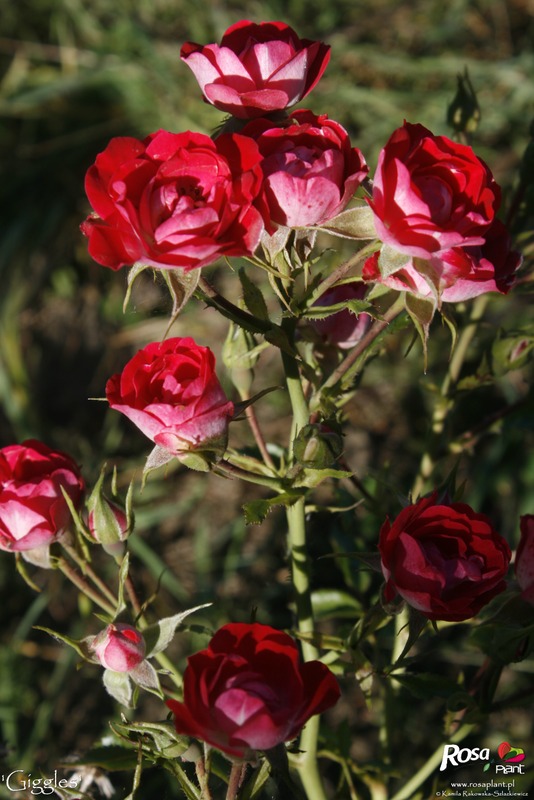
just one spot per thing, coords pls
(317, 446)
(463, 113)
(524, 560)
(119, 647)
(511, 352)
(109, 526)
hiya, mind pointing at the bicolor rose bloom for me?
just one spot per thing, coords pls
(310, 169)
(444, 559)
(170, 391)
(435, 201)
(33, 510)
(257, 69)
(119, 647)
(250, 691)
(343, 329)
(459, 274)
(431, 194)
(174, 200)
(524, 559)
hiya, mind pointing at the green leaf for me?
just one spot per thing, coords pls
(159, 636)
(119, 686)
(257, 510)
(390, 260)
(161, 737)
(133, 273)
(354, 223)
(145, 676)
(321, 312)
(181, 286)
(81, 646)
(123, 575)
(252, 296)
(421, 311)
(425, 686)
(332, 603)
(310, 478)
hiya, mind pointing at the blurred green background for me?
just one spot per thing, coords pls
(72, 75)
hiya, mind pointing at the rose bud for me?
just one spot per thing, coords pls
(250, 691)
(524, 559)
(310, 169)
(170, 391)
(33, 509)
(174, 200)
(445, 560)
(119, 647)
(108, 525)
(257, 69)
(317, 446)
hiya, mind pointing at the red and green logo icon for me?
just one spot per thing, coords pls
(509, 754)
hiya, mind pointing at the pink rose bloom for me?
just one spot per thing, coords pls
(174, 200)
(343, 329)
(458, 274)
(524, 559)
(431, 194)
(33, 510)
(444, 559)
(250, 691)
(171, 392)
(310, 169)
(257, 69)
(119, 647)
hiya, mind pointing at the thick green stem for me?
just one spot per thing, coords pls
(409, 789)
(300, 573)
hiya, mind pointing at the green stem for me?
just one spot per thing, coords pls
(444, 404)
(409, 789)
(86, 569)
(300, 574)
(84, 587)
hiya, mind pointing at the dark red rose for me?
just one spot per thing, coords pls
(249, 691)
(524, 559)
(33, 510)
(444, 559)
(257, 68)
(174, 200)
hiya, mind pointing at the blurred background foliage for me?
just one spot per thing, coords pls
(74, 74)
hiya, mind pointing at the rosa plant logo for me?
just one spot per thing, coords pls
(512, 757)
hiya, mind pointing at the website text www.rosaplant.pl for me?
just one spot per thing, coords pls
(487, 789)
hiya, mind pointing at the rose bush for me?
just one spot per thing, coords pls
(170, 391)
(174, 200)
(444, 559)
(119, 647)
(257, 68)
(33, 510)
(310, 169)
(249, 690)
(524, 560)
